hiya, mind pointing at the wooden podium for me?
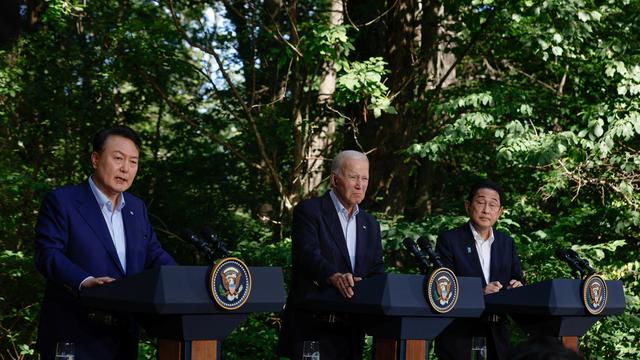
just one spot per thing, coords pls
(173, 304)
(393, 309)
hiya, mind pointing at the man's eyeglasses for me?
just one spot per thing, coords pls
(491, 206)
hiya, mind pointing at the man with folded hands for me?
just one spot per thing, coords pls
(335, 244)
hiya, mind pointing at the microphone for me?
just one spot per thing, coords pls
(425, 246)
(569, 257)
(413, 249)
(584, 263)
(200, 244)
(212, 239)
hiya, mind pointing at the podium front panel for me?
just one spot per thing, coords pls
(183, 290)
(553, 307)
(395, 295)
(559, 297)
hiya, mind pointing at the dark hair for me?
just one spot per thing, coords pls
(116, 130)
(486, 184)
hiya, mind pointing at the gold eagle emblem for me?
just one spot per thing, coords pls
(231, 281)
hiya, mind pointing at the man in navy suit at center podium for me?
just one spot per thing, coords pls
(335, 244)
(477, 250)
(89, 235)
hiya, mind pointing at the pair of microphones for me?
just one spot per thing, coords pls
(577, 264)
(210, 244)
(425, 255)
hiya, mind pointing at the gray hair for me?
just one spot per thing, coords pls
(336, 164)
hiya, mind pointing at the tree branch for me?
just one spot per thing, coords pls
(270, 168)
(214, 137)
(465, 51)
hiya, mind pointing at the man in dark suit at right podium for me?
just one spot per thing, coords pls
(335, 244)
(477, 250)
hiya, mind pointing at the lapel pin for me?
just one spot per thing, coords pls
(468, 250)
(131, 212)
(364, 227)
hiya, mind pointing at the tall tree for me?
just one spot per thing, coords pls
(323, 135)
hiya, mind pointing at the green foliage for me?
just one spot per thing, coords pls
(544, 100)
(19, 304)
(147, 348)
(395, 230)
(360, 81)
(357, 81)
(616, 337)
(558, 126)
(255, 338)
(329, 42)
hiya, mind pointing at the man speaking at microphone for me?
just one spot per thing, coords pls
(335, 244)
(477, 250)
(88, 235)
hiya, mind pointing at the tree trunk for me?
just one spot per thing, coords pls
(392, 133)
(417, 61)
(324, 129)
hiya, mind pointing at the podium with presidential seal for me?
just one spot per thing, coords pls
(403, 311)
(190, 309)
(564, 308)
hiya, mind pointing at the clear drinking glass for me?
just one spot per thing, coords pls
(65, 351)
(479, 348)
(311, 350)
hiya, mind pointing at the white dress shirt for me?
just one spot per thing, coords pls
(113, 218)
(348, 226)
(484, 251)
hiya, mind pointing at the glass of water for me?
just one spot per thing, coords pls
(311, 350)
(479, 348)
(65, 351)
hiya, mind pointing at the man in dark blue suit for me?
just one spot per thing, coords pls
(477, 250)
(89, 235)
(335, 244)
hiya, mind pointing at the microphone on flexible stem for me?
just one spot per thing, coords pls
(413, 249)
(214, 240)
(199, 244)
(425, 246)
(571, 260)
(584, 263)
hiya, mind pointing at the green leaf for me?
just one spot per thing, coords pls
(557, 50)
(583, 16)
(557, 38)
(610, 71)
(622, 90)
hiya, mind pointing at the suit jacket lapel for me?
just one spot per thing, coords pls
(473, 257)
(91, 213)
(130, 222)
(496, 258)
(333, 223)
(361, 244)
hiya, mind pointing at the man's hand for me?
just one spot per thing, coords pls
(513, 283)
(492, 287)
(91, 281)
(344, 283)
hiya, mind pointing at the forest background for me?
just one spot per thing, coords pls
(242, 104)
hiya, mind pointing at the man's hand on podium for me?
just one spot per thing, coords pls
(344, 283)
(92, 281)
(495, 286)
(492, 287)
(514, 284)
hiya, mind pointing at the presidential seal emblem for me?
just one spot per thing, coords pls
(230, 283)
(594, 294)
(442, 290)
